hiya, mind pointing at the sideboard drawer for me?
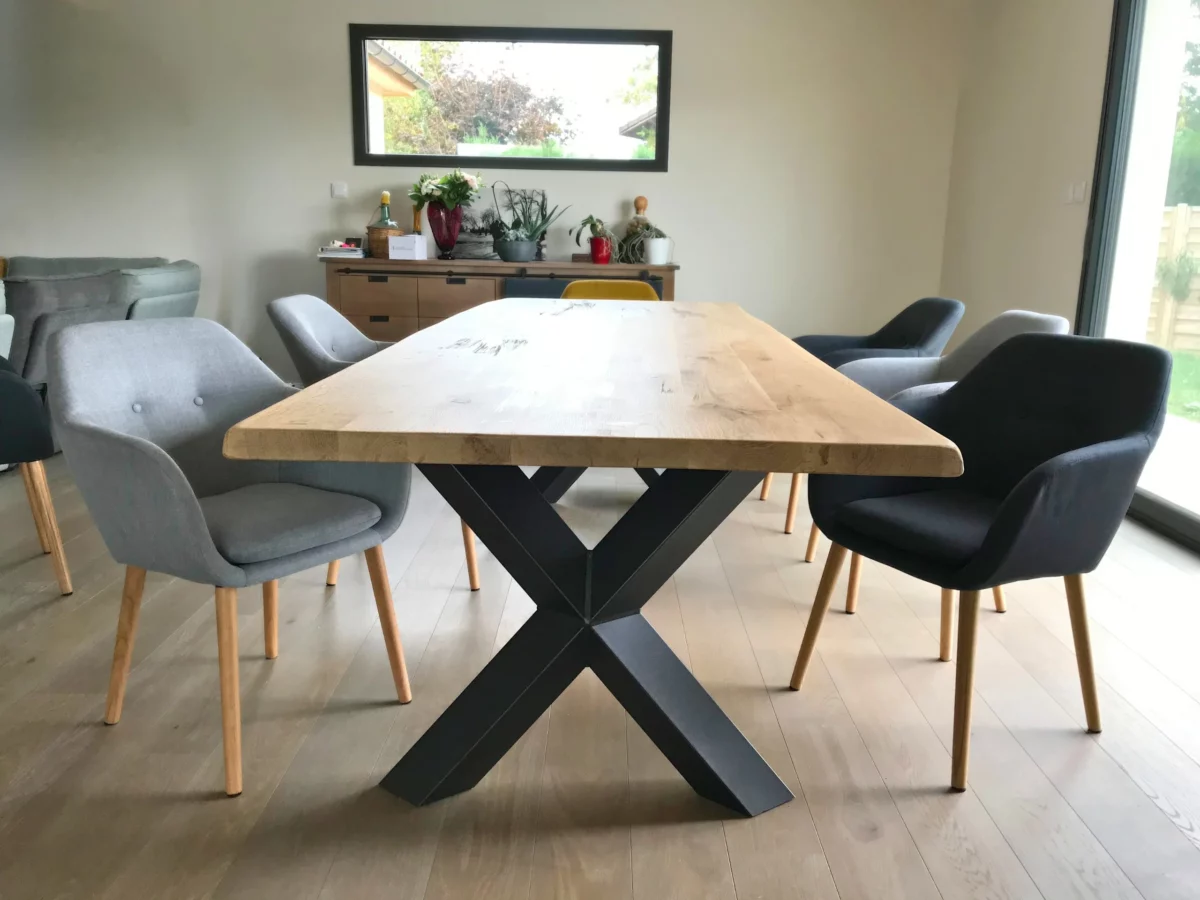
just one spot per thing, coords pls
(385, 328)
(442, 297)
(379, 295)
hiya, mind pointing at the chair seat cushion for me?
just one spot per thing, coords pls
(947, 526)
(261, 522)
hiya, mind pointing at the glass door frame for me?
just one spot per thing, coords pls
(1108, 185)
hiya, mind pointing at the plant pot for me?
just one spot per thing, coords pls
(601, 250)
(445, 223)
(516, 251)
(657, 251)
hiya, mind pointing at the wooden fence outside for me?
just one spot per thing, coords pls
(1173, 324)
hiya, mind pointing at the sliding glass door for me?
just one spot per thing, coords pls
(1142, 276)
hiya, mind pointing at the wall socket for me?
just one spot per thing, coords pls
(339, 189)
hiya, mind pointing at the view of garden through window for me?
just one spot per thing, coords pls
(507, 99)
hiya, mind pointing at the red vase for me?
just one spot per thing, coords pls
(445, 223)
(601, 250)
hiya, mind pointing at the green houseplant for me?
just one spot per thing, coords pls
(529, 216)
(644, 242)
(601, 239)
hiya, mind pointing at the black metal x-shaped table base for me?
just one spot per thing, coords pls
(588, 616)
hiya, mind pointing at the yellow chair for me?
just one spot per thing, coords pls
(609, 289)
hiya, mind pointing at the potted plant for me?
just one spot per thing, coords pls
(446, 196)
(601, 240)
(529, 216)
(644, 242)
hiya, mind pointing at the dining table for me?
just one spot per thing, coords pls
(703, 399)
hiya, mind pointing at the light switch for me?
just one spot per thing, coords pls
(338, 189)
(1079, 194)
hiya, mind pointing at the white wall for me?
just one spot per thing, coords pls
(1028, 124)
(211, 130)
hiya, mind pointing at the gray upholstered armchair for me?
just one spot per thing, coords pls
(888, 376)
(46, 295)
(143, 440)
(318, 338)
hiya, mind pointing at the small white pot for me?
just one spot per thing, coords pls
(658, 251)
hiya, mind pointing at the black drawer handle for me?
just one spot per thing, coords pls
(456, 281)
(376, 279)
(380, 318)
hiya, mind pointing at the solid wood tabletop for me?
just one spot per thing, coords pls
(598, 383)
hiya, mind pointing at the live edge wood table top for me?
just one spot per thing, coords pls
(598, 383)
(703, 390)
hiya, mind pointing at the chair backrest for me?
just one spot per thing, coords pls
(177, 383)
(24, 425)
(609, 289)
(318, 338)
(924, 326)
(160, 292)
(1006, 325)
(1037, 396)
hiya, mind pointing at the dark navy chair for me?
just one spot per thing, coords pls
(919, 330)
(25, 440)
(1054, 431)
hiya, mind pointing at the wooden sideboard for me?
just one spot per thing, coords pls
(389, 299)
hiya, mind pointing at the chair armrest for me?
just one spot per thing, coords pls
(887, 376)
(922, 391)
(819, 345)
(1062, 516)
(386, 485)
(143, 505)
(840, 358)
(24, 426)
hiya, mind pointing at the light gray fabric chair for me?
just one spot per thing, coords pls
(318, 338)
(886, 377)
(141, 410)
(321, 342)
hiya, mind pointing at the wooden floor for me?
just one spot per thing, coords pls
(584, 805)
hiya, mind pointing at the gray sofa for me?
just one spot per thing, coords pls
(45, 295)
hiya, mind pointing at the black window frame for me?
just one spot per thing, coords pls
(359, 34)
(1100, 244)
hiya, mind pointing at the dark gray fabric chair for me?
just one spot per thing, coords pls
(318, 338)
(25, 441)
(141, 410)
(1054, 432)
(921, 329)
(322, 342)
(47, 294)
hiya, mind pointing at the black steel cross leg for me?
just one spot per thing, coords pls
(588, 616)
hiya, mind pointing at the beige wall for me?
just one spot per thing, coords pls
(809, 182)
(1028, 123)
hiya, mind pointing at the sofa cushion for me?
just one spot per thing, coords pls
(947, 526)
(261, 522)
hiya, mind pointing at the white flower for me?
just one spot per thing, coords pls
(472, 181)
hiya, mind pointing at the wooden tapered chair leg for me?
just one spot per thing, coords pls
(331, 573)
(1077, 605)
(387, 621)
(964, 688)
(852, 587)
(789, 523)
(766, 486)
(998, 599)
(472, 558)
(41, 490)
(35, 508)
(829, 577)
(127, 622)
(271, 618)
(814, 535)
(947, 623)
(231, 699)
